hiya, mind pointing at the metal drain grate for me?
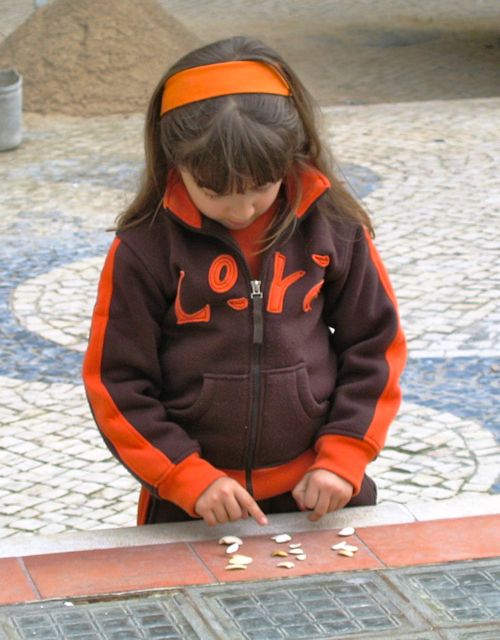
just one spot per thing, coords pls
(142, 619)
(458, 601)
(310, 608)
(454, 594)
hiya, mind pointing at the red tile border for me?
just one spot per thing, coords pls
(15, 585)
(104, 571)
(316, 545)
(434, 541)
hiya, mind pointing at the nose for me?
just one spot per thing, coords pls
(242, 209)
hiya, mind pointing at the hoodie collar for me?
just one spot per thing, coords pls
(177, 200)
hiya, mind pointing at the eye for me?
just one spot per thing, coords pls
(265, 187)
(212, 195)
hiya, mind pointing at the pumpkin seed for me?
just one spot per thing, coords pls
(350, 547)
(230, 540)
(345, 552)
(286, 565)
(279, 554)
(295, 545)
(296, 552)
(346, 531)
(233, 548)
(240, 559)
(281, 537)
(301, 557)
(339, 545)
(235, 567)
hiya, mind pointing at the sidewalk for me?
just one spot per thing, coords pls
(412, 577)
(72, 564)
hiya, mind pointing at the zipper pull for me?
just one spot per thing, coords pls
(256, 289)
(258, 325)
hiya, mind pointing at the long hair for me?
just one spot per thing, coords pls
(230, 142)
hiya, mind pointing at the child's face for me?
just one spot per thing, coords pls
(234, 210)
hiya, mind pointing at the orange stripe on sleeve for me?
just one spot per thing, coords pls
(143, 506)
(390, 399)
(136, 452)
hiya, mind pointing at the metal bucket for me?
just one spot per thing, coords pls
(11, 107)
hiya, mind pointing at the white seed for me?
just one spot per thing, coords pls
(235, 567)
(279, 554)
(346, 531)
(240, 559)
(301, 557)
(281, 537)
(296, 552)
(285, 565)
(233, 548)
(295, 545)
(350, 547)
(339, 545)
(345, 552)
(230, 540)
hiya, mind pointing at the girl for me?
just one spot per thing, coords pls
(245, 348)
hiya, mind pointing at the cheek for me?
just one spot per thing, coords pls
(211, 209)
(268, 198)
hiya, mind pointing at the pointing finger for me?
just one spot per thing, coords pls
(248, 503)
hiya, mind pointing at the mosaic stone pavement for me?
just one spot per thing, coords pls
(428, 172)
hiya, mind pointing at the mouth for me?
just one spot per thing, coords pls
(237, 224)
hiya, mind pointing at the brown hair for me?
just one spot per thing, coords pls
(230, 142)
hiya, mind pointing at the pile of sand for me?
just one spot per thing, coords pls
(87, 57)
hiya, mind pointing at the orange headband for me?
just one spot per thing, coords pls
(221, 79)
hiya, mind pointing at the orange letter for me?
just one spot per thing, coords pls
(321, 260)
(279, 285)
(203, 315)
(238, 303)
(222, 283)
(310, 295)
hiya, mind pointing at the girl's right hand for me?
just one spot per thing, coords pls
(226, 500)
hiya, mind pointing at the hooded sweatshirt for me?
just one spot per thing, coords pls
(197, 370)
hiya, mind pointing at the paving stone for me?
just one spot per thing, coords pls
(27, 524)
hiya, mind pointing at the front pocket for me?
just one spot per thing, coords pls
(218, 419)
(290, 416)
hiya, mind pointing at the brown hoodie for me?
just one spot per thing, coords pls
(195, 370)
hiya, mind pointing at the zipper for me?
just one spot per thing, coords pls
(255, 371)
(256, 297)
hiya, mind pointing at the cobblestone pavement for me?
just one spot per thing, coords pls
(427, 171)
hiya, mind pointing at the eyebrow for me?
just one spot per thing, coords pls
(203, 185)
(253, 187)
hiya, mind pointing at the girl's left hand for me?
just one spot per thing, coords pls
(322, 491)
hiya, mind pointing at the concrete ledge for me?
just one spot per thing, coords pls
(463, 505)
(385, 513)
(22, 546)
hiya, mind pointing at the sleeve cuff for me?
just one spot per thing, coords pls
(185, 483)
(347, 457)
